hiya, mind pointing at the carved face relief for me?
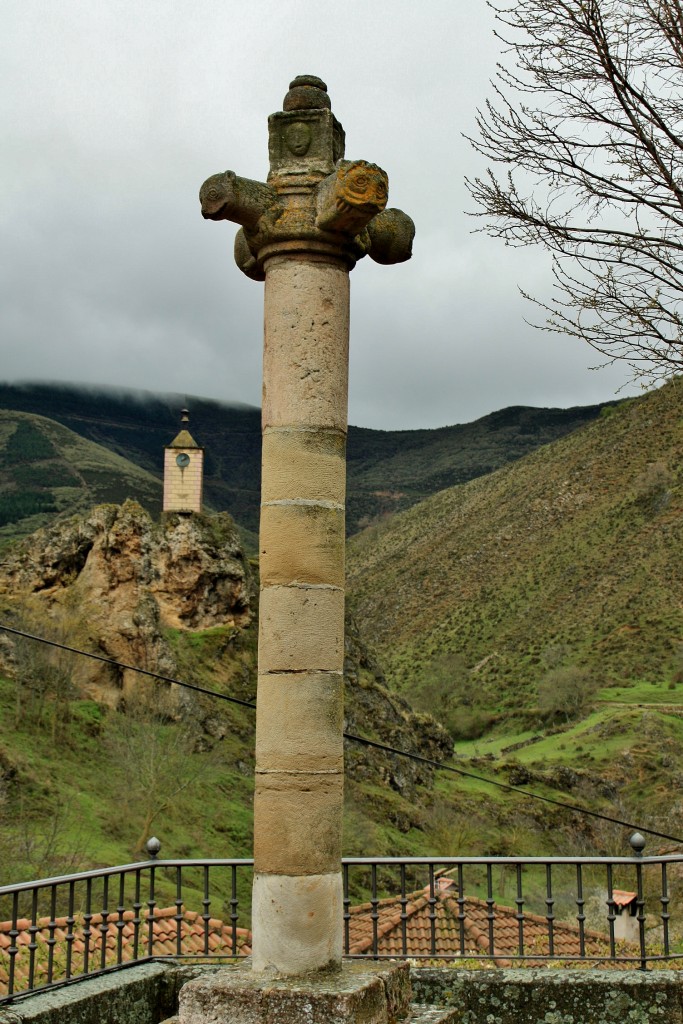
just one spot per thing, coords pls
(364, 184)
(298, 138)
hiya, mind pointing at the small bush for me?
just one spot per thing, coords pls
(652, 487)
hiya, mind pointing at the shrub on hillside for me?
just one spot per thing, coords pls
(652, 487)
(448, 691)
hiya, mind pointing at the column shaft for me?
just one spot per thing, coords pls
(297, 906)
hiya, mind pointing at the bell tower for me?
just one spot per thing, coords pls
(183, 471)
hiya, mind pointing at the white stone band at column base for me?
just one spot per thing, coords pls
(297, 922)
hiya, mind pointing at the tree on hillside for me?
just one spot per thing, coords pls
(448, 690)
(566, 692)
(589, 123)
(152, 762)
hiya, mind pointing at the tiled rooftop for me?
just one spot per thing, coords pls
(622, 898)
(467, 935)
(196, 938)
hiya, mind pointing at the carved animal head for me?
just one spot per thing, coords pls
(362, 184)
(217, 195)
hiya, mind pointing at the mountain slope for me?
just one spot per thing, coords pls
(46, 469)
(387, 470)
(571, 557)
(392, 470)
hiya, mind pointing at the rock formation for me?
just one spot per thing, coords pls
(122, 580)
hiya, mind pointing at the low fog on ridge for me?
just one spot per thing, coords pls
(112, 117)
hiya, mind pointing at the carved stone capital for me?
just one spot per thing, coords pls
(315, 201)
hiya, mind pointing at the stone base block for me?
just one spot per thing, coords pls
(357, 994)
(296, 921)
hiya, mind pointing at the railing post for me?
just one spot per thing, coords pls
(13, 948)
(550, 908)
(153, 846)
(637, 842)
(234, 916)
(664, 899)
(120, 922)
(580, 917)
(519, 903)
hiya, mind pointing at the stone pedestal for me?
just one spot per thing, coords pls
(359, 993)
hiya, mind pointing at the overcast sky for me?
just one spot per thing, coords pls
(113, 112)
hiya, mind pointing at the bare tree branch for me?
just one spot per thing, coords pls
(587, 116)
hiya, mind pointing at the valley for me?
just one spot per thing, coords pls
(524, 627)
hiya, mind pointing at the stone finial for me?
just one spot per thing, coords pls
(305, 138)
(307, 92)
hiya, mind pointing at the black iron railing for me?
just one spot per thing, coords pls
(620, 912)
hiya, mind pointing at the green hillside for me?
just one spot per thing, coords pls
(46, 469)
(392, 470)
(387, 470)
(537, 611)
(557, 576)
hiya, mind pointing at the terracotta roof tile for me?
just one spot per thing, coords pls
(462, 931)
(164, 937)
(622, 898)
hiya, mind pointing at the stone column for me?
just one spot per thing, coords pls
(302, 233)
(297, 905)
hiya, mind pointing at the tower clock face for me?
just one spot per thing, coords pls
(182, 460)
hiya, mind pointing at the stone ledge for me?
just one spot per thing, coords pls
(430, 1015)
(142, 994)
(148, 993)
(547, 996)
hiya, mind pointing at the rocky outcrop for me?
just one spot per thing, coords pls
(122, 580)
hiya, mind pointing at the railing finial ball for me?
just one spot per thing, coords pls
(637, 842)
(153, 846)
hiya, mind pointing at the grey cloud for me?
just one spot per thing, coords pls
(114, 114)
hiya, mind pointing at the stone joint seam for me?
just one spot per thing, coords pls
(307, 502)
(302, 586)
(301, 672)
(303, 429)
(298, 771)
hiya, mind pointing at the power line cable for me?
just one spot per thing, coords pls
(363, 740)
(130, 668)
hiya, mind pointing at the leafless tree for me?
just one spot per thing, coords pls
(587, 114)
(152, 762)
